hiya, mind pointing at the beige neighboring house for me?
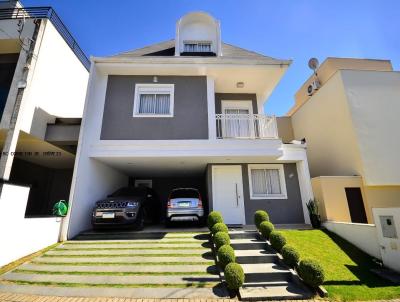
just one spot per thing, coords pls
(351, 125)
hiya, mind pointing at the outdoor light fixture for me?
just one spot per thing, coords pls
(240, 84)
(155, 79)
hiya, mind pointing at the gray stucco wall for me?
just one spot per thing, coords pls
(190, 120)
(281, 211)
(219, 97)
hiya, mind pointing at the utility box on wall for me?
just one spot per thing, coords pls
(387, 227)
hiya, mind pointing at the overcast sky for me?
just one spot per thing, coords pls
(285, 29)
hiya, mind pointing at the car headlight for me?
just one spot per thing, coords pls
(132, 204)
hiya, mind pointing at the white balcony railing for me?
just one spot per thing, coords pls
(247, 126)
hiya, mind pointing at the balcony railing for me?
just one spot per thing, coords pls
(246, 126)
(47, 13)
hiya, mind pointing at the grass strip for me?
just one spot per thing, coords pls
(119, 255)
(90, 273)
(123, 263)
(130, 248)
(87, 285)
(22, 260)
(135, 242)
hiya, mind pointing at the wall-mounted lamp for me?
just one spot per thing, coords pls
(240, 84)
(155, 79)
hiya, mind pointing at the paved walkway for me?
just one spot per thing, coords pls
(167, 265)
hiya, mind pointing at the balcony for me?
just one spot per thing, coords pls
(246, 126)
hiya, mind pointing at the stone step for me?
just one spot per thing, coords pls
(120, 268)
(255, 256)
(274, 291)
(243, 235)
(138, 293)
(265, 273)
(248, 244)
(107, 279)
(126, 259)
(61, 252)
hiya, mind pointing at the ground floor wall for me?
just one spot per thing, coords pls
(282, 211)
(382, 197)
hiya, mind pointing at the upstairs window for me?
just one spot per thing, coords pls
(267, 182)
(154, 100)
(197, 47)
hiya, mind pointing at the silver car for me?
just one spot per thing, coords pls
(185, 204)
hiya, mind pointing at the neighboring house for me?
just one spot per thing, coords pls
(351, 127)
(43, 80)
(189, 112)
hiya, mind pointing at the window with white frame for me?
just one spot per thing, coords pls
(267, 181)
(154, 100)
(197, 46)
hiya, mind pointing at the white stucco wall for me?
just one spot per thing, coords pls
(374, 103)
(22, 236)
(92, 180)
(58, 85)
(363, 236)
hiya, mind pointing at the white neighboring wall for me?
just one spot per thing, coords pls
(58, 85)
(22, 236)
(361, 235)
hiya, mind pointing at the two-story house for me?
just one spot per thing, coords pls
(43, 81)
(189, 112)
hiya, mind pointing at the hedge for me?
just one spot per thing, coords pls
(290, 256)
(311, 272)
(219, 227)
(277, 240)
(213, 218)
(226, 255)
(221, 238)
(260, 216)
(234, 275)
(266, 228)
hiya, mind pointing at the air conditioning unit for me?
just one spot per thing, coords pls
(313, 87)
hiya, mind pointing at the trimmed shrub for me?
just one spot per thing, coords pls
(266, 228)
(290, 256)
(260, 216)
(234, 275)
(213, 218)
(219, 227)
(277, 240)
(311, 272)
(226, 255)
(221, 238)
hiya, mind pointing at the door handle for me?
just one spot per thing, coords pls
(237, 195)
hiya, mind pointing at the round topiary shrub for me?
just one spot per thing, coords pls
(260, 216)
(234, 275)
(221, 238)
(219, 227)
(311, 272)
(290, 256)
(277, 240)
(226, 255)
(266, 228)
(213, 218)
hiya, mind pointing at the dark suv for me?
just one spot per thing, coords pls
(127, 206)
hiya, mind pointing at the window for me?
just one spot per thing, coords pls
(147, 183)
(267, 181)
(154, 100)
(197, 47)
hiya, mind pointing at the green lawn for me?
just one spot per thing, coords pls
(347, 275)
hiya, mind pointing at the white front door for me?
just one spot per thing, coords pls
(227, 191)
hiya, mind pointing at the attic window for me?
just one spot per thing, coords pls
(197, 47)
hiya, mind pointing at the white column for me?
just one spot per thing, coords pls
(212, 129)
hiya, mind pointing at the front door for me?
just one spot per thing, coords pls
(227, 189)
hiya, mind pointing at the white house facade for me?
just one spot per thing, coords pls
(189, 113)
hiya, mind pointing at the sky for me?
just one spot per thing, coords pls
(283, 29)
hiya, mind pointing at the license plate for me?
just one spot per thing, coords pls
(185, 204)
(108, 215)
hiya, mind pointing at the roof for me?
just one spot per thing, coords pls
(165, 48)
